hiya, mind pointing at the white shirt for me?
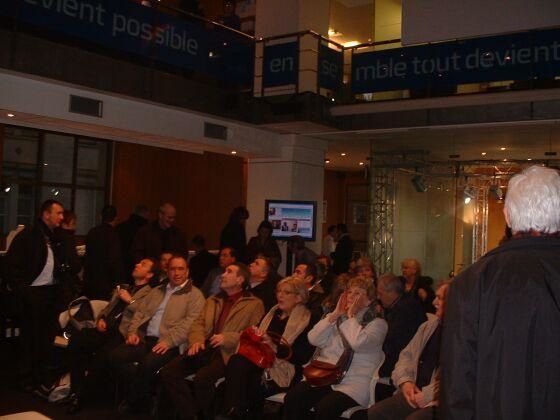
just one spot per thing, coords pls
(46, 276)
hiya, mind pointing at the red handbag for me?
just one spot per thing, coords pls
(253, 348)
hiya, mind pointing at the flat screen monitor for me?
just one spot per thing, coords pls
(289, 218)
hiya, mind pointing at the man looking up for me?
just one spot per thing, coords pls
(157, 330)
(213, 338)
(40, 263)
(260, 284)
(211, 285)
(160, 236)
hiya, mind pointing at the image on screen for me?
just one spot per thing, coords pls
(289, 218)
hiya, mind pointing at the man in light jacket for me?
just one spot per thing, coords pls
(158, 328)
(213, 338)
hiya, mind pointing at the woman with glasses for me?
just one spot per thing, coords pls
(247, 385)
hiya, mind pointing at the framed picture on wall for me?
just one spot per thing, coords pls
(359, 213)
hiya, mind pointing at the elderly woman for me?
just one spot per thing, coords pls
(264, 244)
(417, 285)
(247, 385)
(416, 374)
(364, 333)
(366, 269)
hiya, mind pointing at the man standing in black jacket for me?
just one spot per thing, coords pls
(343, 252)
(40, 265)
(103, 264)
(127, 231)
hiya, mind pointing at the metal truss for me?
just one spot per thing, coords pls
(381, 214)
(480, 223)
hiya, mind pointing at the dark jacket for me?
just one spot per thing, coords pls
(501, 336)
(265, 292)
(103, 263)
(269, 249)
(424, 283)
(200, 265)
(233, 235)
(28, 255)
(151, 240)
(343, 254)
(403, 320)
(127, 231)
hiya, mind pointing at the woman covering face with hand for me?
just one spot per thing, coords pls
(364, 333)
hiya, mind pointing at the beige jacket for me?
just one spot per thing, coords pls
(247, 311)
(128, 312)
(183, 307)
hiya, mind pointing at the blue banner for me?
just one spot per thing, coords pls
(522, 56)
(331, 67)
(281, 64)
(130, 27)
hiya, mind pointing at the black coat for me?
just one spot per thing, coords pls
(151, 240)
(343, 254)
(403, 320)
(265, 291)
(200, 265)
(28, 255)
(103, 268)
(127, 231)
(233, 235)
(501, 336)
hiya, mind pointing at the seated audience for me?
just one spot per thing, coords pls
(308, 274)
(354, 321)
(247, 385)
(264, 245)
(403, 314)
(201, 262)
(211, 285)
(163, 267)
(417, 285)
(157, 330)
(111, 328)
(260, 284)
(213, 338)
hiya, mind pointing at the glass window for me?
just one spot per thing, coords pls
(92, 163)
(19, 154)
(58, 158)
(89, 204)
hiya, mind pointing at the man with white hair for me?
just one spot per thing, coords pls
(502, 330)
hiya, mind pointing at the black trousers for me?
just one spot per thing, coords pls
(208, 365)
(39, 325)
(244, 389)
(328, 403)
(81, 350)
(141, 380)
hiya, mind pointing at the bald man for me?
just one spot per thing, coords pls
(160, 236)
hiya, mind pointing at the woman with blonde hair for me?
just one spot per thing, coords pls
(247, 385)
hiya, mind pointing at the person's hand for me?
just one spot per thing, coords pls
(101, 325)
(419, 399)
(195, 348)
(124, 295)
(422, 294)
(160, 348)
(409, 391)
(356, 306)
(217, 340)
(133, 340)
(340, 307)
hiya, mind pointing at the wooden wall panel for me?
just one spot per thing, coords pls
(335, 193)
(204, 188)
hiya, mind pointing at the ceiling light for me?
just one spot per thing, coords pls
(483, 153)
(361, 163)
(334, 32)
(469, 194)
(7, 189)
(10, 115)
(343, 154)
(350, 44)
(502, 148)
(327, 161)
(529, 159)
(505, 160)
(234, 152)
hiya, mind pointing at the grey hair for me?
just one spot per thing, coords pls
(533, 201)
(391, 283)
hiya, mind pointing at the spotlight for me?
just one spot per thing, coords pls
(469, 193)
(419, 183)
